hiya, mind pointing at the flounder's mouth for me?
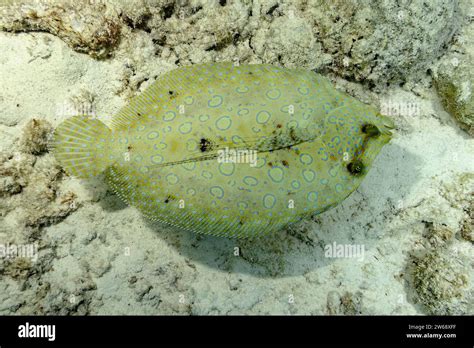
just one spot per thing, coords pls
(388, 125)
(386, 131)
(375, 137)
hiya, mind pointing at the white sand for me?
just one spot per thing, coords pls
(104, 258)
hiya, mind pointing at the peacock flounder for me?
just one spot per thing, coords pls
(237, 151)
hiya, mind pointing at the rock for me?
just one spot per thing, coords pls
(15, 169)
(380, 43)
(352, 303)
(34, 139)
(289, 41)
(18, 268)
(333, 303)
(9, 186)
(442, 281)
(93, 29)
(30, 185)
(467, 229)
(454, 80)
(106, 259)
(438, 234)
(383, 42)
(347, 304)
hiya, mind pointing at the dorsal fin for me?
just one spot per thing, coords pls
(145, 104)
(171, 84)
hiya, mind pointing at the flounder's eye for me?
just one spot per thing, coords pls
(370, 130)
(355, 167)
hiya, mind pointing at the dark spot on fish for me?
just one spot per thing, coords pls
(270, 164)
(169, 198)
(139, 114)
(172, 94)
(204, 145)
(370, 130)
(292, 134)
(279, 125)
(355, 167)
(285, 163)
(129, 147)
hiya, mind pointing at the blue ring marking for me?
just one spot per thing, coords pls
(243, 111)
(169, 116)
(215, 101)
(203, 118)
(242, 89)
(224, 122)
(269, 201)
(185, 128)
(217, 191)
(251, 181)
(339, 188)
(312, 196)
(309, 175)
(303, 90)
(172, 179)
(156, 159)
(153, 135)
(338, 139)
(333, 171)
(273, 94)
(226, 173)
(295, 184)
(263, 117)
(206, 174)
(276, 174)
(189, 100)
(306, 159)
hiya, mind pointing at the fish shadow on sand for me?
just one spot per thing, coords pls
(361, 220)
(109, 201)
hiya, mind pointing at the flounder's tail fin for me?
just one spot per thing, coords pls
(82, 146)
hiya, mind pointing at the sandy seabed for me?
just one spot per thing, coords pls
(80, 250)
